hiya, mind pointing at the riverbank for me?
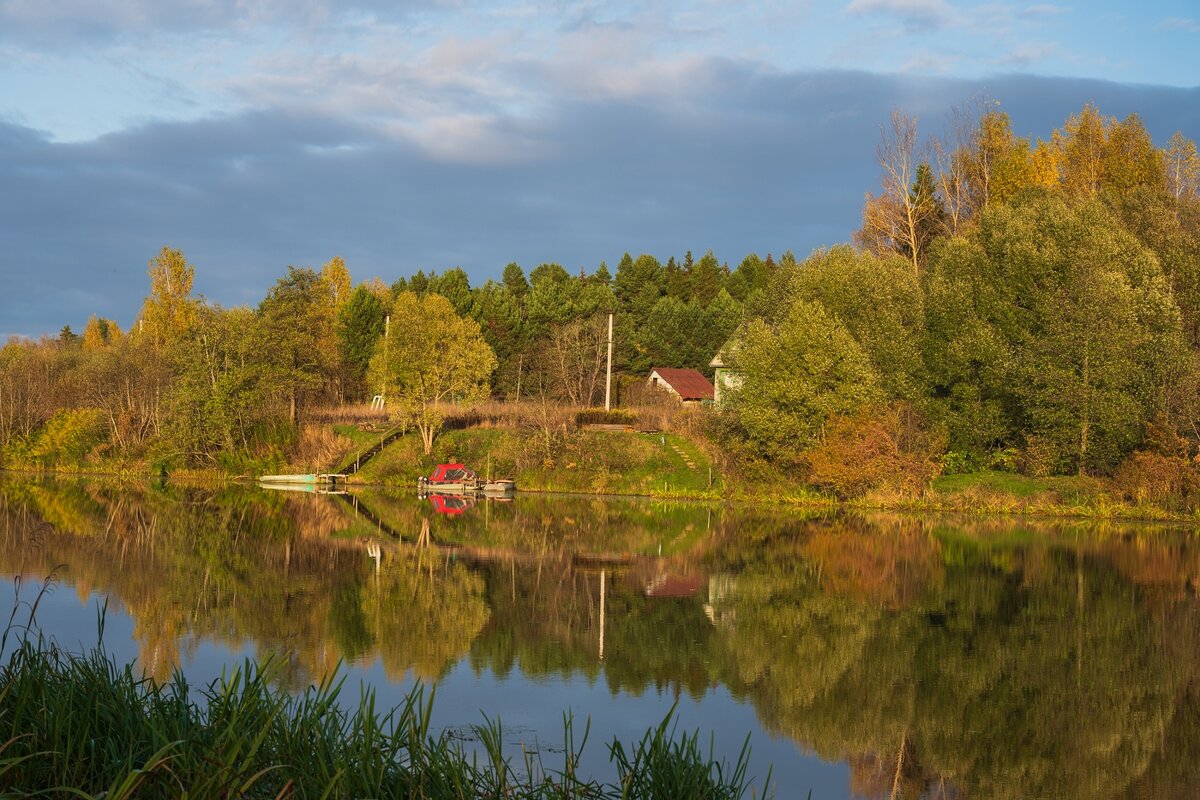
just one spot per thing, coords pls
(671, 466)
(83, 726)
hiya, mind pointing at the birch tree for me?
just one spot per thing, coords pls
(897, 218)
(431, 357)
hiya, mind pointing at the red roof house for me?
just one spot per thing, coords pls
(687, 384)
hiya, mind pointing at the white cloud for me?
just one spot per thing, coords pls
(915, 15)
(1180, 24)
(1026, 54)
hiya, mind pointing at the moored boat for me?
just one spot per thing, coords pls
(461, 480)
(449, 479)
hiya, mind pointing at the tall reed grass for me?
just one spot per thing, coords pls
(82, 726)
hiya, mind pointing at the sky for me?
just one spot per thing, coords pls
(428, 134)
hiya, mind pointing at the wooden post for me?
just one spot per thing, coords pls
(608, 375)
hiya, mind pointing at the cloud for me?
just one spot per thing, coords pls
(1027, 54)
(1044, 10)
(65, 21)
(735, 157)
(914, 15)
(1180, 24)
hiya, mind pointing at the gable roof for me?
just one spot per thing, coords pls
(688, 383)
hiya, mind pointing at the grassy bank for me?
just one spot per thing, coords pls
(82, 726)
(671, 465)
(656, 465)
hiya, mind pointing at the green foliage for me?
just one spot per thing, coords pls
(1052, 322)
(798, 374)
(433, 358)
(68, 436)
(360, 324)
(881, 303)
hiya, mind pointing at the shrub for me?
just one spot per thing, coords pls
(959, 462)
(1149, 477)
(598, 416)
(69, 436)
(884, 450)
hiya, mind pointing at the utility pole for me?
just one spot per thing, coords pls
(387, 333)
(608, 376)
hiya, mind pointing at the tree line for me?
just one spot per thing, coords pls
(1030, 305)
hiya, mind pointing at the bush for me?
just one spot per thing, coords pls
(69, 436)
(960, 462)
(1149, 477)
(867, 452)
(598, 416)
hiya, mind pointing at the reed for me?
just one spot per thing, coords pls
(82, 726)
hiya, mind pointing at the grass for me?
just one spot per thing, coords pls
(82, 726)
(590, 462)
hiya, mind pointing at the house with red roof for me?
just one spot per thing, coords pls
(689, 385)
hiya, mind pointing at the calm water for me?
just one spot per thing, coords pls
(875, 657)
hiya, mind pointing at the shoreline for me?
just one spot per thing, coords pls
(929, 503)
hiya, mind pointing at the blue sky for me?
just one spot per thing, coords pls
(255, 134)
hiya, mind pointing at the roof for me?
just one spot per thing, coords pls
(688, 383)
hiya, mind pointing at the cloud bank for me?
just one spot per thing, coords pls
(721, 154)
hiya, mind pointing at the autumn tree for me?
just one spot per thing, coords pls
(432, 357)
(170, 309)
(899, 218)
(1182, 167)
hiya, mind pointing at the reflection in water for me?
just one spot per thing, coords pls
(934, 659)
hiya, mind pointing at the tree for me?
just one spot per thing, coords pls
(705, 278)
(1183, 167)
(571, 358)
(639, 284)
(880, 302)
(100, 333)
(514, 281)
(1129, 160)
(432, 357)
(1081, 145)
(170, 310)
(223, 377)
(897, 219)
(454, 285)
(1058, 322)
(499, 316)
(796, 375)
(296, 326)
(359, 327)
(336, 280)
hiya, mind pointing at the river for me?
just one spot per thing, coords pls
(861, 655)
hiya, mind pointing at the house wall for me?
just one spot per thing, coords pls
(724, 379)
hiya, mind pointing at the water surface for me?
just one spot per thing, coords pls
(876, 657)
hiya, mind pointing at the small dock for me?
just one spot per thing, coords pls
(324, 480)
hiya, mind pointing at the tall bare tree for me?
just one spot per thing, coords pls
(897, 218)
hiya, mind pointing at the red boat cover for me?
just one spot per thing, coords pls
(450, 503)
(449, 473)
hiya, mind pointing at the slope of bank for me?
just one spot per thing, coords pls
(671, 465)
(657, 465)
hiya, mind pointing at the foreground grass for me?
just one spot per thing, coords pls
(82, 726)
